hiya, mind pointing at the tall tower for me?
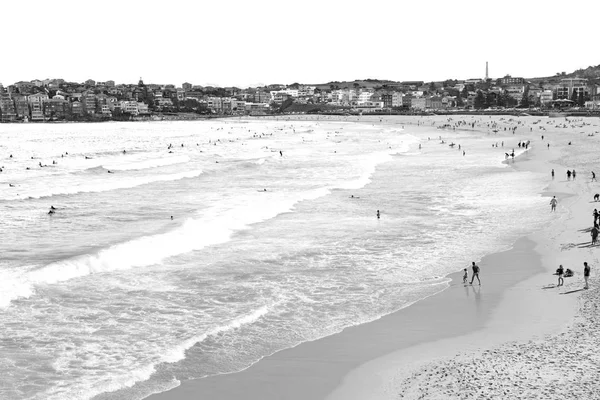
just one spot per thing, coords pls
(486, 71)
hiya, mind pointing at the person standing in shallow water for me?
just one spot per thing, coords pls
(378, 215)
(475, 273)
(552, 173)
(553, 203)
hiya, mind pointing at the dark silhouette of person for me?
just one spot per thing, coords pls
(475, 273)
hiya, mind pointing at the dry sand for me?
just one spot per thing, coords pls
(509, 338)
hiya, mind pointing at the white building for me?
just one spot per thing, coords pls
(130, 107)
(546, 97)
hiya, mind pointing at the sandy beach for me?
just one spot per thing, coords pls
(515, 336)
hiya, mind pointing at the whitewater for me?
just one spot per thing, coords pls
(186, 249)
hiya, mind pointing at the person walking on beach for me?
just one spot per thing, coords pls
(552, 173)
(594, 176)
(560, 272)
(475, 273)
(574, 175)
(465, 276)
(568, 174)
(586, 274)
(553, 203)
(594, 234)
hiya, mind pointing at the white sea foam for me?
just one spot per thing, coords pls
(217, 226)
(120, 380)
(80, 185)
(145, 164)
(178, 353)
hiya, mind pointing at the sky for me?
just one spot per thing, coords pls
(257, 42)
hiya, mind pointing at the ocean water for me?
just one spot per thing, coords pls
(110, 298)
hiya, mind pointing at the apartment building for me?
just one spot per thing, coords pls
(88, 100)
(567, 86)
(7, 107)
(36, 104)
(129, 107)
(509, 80)
(77, 108)
(57, 108)
(418, 103)
(21, 106)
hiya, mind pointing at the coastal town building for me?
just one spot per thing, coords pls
(77, 108)
(418, 103)
(56, 108)
(567, 86)
(509, 80)
(129, 107)
(21, 106)
(7, 107)
(546, 97)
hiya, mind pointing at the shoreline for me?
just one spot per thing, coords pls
(325, 369)
(351, 364)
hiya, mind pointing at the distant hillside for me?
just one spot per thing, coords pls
(591, 73)
(363, 83)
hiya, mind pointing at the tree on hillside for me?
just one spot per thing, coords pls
(464, 93)
(501, 100)
(574, 97)
(479, 101)
(432, 87)
(490, 99)
(525, 99)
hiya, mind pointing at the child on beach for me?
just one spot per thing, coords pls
(465, 276)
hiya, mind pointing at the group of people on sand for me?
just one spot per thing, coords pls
(562, 273)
